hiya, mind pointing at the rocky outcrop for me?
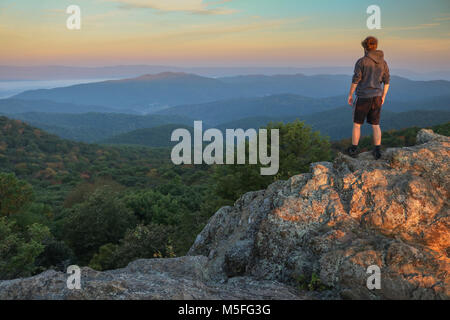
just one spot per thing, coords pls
(174, 278)
(328, 225)
(340, 219)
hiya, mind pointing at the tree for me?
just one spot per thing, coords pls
(153, 206)
(106, 258)
(83, 190)
(143, 242)
(56, 255)
(18, 250)
(14, 194)
(103, 218)
(299, 147)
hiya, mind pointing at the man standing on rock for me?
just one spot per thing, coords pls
(370, 72)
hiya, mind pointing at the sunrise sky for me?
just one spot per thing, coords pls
(414, 34)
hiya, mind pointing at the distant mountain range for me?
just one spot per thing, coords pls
(151, 93)
(12, 106)
(10, 73)
(110, 111)
(146, 93)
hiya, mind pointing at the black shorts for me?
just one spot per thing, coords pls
(369, 108)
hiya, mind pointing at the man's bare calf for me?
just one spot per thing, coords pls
(356, 133)
(376, 134)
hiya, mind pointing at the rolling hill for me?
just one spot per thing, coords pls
(239, 101)
(218, 112)
(150, 137)
(94, 127)
(150, 93)
(319, 86)
(51, 163)
(276, 106)
(337, 123)
(12, 106)
(154, 129)
(145, 93)
(334, 123)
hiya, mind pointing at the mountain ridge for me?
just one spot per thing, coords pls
(155, 92)
(121, 71)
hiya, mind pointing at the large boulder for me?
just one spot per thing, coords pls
(339, 219)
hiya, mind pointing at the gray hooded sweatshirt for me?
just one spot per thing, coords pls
(370, 72)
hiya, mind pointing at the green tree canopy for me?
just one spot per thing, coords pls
(14, 194)
(18, 250)
(299, 147)
(103, 218)
(143, 242)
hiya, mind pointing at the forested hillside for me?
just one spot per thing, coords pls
(337, 124)
(64, 186)
(334, 123)
(154, 129)
(63, 202)
(95, 127)
(151, 137)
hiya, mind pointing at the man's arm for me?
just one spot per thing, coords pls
(386, 79)
(350, 94)
(385, 91)
(357, 75)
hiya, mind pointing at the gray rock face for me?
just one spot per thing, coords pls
(174, 278)
(340, 219)
(320, 230)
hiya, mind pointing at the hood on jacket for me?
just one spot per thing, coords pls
(375, 55)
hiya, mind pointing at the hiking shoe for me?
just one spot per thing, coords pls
(352, 151)
(376, 153)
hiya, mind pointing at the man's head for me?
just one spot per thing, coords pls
(370, 43)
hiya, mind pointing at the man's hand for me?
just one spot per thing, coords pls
(350, 94)
(382, 99)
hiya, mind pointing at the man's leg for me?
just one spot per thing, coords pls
(360, 110)
(376, 141)
(374, 119)
(356, 133)
(376, 135)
